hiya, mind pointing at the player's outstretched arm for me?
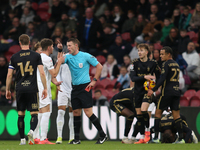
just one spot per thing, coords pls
(8, 83)
(43, 79)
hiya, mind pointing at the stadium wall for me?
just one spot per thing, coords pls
(111, 123)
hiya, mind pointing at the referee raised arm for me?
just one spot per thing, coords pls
(81, 96)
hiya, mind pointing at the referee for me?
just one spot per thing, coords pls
(81, 96)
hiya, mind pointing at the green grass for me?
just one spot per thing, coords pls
(89, 145)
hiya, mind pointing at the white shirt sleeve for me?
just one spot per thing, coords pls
(48, 63)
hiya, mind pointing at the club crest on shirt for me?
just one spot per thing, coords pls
(80, 65)
(132, 67)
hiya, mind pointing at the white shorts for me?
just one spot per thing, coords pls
(64, 99)
(44, 102)
(151, 107)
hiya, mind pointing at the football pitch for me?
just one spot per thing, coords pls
(89, 145)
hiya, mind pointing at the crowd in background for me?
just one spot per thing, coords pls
(111, 28)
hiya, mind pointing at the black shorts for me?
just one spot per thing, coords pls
(139, 99)
(119, 105)
(27, 101)
(80, 98)
(169, 101)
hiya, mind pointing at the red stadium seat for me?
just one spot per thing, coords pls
(34, 5)
(111, 94)
(114, 81)
(101, 59)
(98, 85)
(44, 15)
(12, 50)
(194, 97)
(189, 94)
(126, 36)
(191, 11)
(44, 6)
(184, 102)
(195, 103)
(104, 92)
(109, 87)
(93, 70)
(105, 82)
(157, 46)
(198, 94)
(191, 34)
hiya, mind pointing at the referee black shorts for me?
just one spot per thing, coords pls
(27, 101)
(169, 101)
(80, 98)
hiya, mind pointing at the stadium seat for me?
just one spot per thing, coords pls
(112, 93)
(104, 92)
(98, 85)
(34, 6)
(184, 102)
(113, 83)
(44, 6)
(194, 97)
(189, 94)
(105, 82)
(44, 15)
(93, 71)
(101, 59)
(195, 103)
(157, 46)
(126, 36)
(191, 34)
(198, 94)
(12, 50)
(109, 87)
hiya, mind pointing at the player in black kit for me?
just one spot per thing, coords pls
(143, 69)
(170, 94)
(26, 62)
(123, 104)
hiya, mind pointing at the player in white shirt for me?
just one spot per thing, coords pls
(46, 104)
(64, 101)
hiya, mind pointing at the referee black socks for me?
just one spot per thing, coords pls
(77, 126)
(21, 126)
(34, 121)
(95, 122)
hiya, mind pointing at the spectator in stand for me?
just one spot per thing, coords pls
(68, 35)
(123, 79)
(119, 49)
(73, 11)
(103, 21)
(183, 41)
(118, 18)
(89, 32)
(66, 23)
(176, 17)
(109, 38)
(158, 14)
(149, 28)
(3, 100)
(195, 20)
(107, 15)
(157, 34)
(83, 6)
(3, 70)
(181, 61)
(58, 33)
(134, 52)
(198, 42)
(110, 4)
(40, 28)
(151, 47)
(172, 39)
(166, 29)
(127, 62)
(50, 28)
(99, 7)
(30, 30)
(138, 27)
(16, 6)
(193, 61)
(28, 4)
(167, 7)
(39, 1)
(27, 16)
(99, 99)
(57, 9)
(156, 56)
(142, 8)
(6, 22)
(15, 30)
(129, 23)
(110, 68)
(185, 19)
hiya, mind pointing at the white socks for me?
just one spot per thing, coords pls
(71, 126)
(36, 133)
(44, 125)
(60, 122)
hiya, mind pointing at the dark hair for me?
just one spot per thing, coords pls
(36, 46)
(127, 56)
(168, 19)
(183, 30)
(167, 137)
(123, 67)
(168, 50)
(45, 43)
(3, 56)
(24, 39)
(96, 91)
(74, 40)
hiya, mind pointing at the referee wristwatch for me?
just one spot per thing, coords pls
(94, 79)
